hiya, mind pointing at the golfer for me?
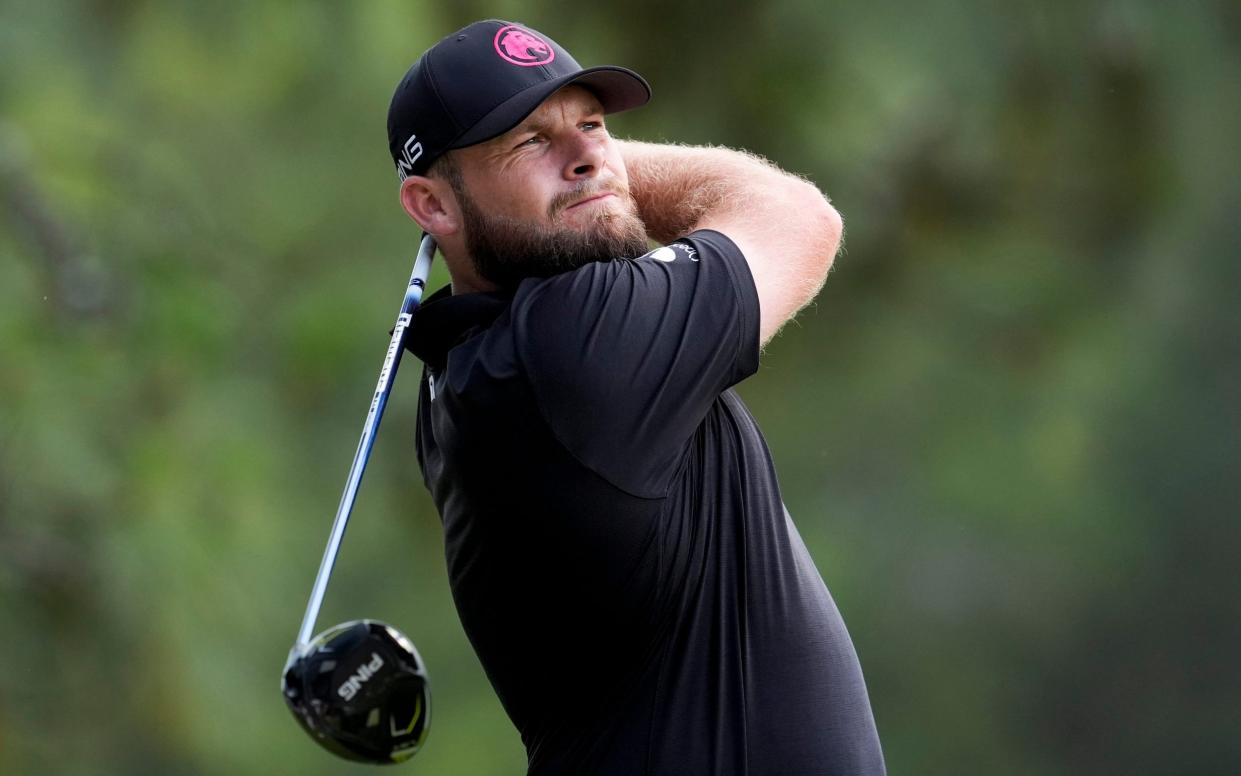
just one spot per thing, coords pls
(618, 550)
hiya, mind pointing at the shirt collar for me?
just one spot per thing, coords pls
(445, 320)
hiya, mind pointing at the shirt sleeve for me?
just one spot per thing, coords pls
(626, 357)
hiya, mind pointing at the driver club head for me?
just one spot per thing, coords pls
(360, 689)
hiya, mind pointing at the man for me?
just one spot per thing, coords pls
(617, 547)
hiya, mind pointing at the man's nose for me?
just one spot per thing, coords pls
(585, 158)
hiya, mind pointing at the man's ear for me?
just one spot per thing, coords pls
(432, 204)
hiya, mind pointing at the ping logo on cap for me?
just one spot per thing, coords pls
(519, 46)
(410, 153)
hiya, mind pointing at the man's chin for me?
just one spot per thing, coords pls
(507, 252)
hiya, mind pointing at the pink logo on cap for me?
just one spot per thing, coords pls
(519, 46)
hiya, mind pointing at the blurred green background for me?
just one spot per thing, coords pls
(1009, 429)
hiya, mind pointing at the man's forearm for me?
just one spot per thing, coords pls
(783, 225)
(676, 186)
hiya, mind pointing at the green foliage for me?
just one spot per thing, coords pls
(1009, 428)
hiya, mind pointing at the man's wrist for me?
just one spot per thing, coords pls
(674, 186)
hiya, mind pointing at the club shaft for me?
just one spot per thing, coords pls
(392, 360)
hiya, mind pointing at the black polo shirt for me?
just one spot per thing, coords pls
(617, 547)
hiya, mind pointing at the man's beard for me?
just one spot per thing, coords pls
(507, 250)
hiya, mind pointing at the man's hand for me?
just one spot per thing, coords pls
(785, 226)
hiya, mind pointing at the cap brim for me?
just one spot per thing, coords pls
(617, 88)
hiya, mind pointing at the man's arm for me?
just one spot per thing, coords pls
(784, 226)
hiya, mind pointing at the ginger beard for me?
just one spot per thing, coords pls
(506, 250)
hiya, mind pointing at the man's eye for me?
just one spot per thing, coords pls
(592, 125)
(528, 141)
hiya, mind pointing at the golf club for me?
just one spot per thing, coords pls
(360, 688)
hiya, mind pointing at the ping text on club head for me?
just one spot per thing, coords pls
(353, 684)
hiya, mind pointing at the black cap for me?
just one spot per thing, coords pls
(481, 81)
